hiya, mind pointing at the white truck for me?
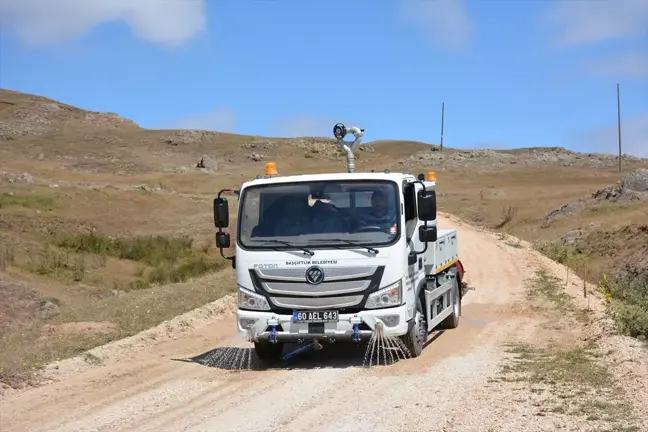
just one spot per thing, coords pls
(336, 257)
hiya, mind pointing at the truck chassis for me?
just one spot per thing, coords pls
(438, 308)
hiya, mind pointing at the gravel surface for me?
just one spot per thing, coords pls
(139, 384)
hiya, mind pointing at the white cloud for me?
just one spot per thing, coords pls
(220, 120)
(310, 125)
(628, 64)
(446, 22)
(42, 22)
(590, 22)
(634, 137)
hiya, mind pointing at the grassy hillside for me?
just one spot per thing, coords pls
(105, 227)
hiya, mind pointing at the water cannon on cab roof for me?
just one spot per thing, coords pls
(340, 131)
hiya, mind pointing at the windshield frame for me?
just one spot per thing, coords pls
(316, 245)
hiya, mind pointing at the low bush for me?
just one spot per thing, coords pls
(152, 250)
(163, 259)
(627, 297)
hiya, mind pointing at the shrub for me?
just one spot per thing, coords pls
(627, 298)
(162, 259)
(152, 250)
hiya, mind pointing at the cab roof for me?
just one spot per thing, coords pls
(390, 176)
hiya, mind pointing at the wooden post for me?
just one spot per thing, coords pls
(442, 118)
(619, 122)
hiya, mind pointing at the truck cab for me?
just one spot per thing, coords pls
(339, 257)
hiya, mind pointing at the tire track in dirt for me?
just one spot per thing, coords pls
(446, 388)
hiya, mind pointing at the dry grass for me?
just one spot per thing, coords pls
(571, 382)
(546, 287)
(116, 215)
(626, 287)
(613, 239)
(565, 376)
(87, 324)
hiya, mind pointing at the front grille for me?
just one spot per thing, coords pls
(344, 288)
(316, 303)
(323, 289)
(298, 274)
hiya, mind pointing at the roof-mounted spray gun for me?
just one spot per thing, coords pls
(340, 131)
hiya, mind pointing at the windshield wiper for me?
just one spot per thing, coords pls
(350, 242)
(306, 251)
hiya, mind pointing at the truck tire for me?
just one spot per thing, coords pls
(416, 337)
(269, 353)
(452, 321)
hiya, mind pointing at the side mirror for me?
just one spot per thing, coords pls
(221, 213)
(427, 206)
(428, 234)
(223, 240)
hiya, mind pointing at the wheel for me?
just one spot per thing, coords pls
(268, 352)
(452, 321)
(416, 337)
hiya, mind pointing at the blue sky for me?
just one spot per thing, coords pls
(511, 73)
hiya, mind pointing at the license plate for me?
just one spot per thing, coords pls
(315, 316)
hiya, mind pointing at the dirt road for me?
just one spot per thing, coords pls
(448, 388)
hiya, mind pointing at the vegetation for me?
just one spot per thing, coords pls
(159, 263)
(627, 298)
(29, 201)
(164, 259)
(152, 250)
(566, 372)
(7, 256)
(626, 292)
(26, 351)
(573, 382)
(53, 262)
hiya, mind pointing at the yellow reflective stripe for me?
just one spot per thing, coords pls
(445, 267)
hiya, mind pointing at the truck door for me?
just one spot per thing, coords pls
(416, 272)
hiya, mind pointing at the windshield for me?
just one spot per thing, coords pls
(319, 214)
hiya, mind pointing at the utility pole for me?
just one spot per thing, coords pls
(619, 122)
(442, 118)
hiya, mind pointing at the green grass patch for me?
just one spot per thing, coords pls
(57, 263)
(561, 253)
(626, 292)
(162, 259)
(28, 201)
(151, 250)
(183, 270)
(627, 297)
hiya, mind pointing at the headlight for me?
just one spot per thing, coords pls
(249, 300)
(386, 297)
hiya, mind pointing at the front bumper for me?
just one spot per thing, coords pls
(256, 326)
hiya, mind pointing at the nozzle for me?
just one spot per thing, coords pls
(379, 327)
(316, 345)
